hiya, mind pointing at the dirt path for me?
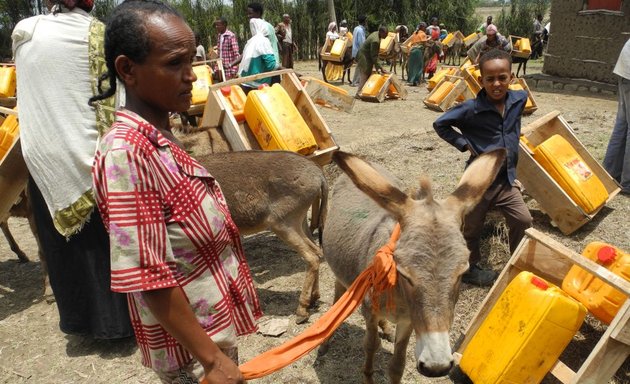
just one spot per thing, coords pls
(395, 133)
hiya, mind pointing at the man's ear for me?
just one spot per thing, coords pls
(125, 69)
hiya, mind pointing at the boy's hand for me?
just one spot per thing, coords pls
(470, 149)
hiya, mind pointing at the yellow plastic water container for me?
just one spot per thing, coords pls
(523, 44)
(338, 47)
(387, 43)
(373, 85)
(473, 37)
(602, 300)
(201, 87)
(447, 40)
(437, 95)
(276, 123)
(569, 170)
(524, 333)
(518, 87)
(8, 132)
(7, 81)
(235, 98)
(433, 81)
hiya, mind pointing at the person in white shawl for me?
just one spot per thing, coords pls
(59, 58)
(258, 55)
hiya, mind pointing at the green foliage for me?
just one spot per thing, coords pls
(519, 19)
(310, 17)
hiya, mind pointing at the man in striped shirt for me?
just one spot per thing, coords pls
(227, 48)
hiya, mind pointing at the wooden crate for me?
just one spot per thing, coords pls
(325, 51)
(547, 258)
(457, 35)
(391, 83)
(387, 44)
(217, 115)
(13, 175)
(328, 95)
(471, 80)
(515, 52)
(553, 200)
(523, 83)
(449, 100)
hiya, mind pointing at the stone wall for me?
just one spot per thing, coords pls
(585, 44)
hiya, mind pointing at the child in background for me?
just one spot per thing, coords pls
(491, 120)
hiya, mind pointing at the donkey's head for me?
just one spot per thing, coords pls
(431, 254)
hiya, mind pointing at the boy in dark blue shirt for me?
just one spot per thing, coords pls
(491, 120)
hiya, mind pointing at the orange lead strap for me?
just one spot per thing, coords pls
(381, 275)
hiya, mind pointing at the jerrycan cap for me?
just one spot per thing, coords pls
(226, 91)
(263, 86)
(606, 255)
(540, 283)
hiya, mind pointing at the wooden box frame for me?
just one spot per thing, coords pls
(549, 259)
(384, 91)
(553, 200)
(325, 51)
(457, 35)
(472, 41)
(523, 83)
(473, 83)
(518, 53)
(218, 115)
(382, 52)
(449, 100)
(13, 174)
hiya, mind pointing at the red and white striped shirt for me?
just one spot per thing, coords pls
(169, 226)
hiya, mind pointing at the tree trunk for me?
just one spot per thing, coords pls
(331, 10)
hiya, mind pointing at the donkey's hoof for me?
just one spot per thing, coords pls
(300, 319)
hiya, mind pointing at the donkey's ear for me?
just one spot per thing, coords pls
(373, 184)
(476, 179)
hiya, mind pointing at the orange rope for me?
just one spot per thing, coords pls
(380, 275)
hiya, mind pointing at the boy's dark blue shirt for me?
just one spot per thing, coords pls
(483, 128)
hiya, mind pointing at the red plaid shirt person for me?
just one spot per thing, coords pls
(228, 52)
(169, 226)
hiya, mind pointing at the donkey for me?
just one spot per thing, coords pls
(431, 254)
(273, 190)
(392, 56)
(346, 61)
(454, 52)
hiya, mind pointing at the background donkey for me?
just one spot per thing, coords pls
(273, 190)
(431, 254)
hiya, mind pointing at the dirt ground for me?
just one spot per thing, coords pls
(395, 133)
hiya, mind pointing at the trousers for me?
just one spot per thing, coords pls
(509, 201)
(617, 158)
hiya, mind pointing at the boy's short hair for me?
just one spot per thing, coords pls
(494, 54)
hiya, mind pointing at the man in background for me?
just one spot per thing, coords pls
(227, 48)
(617, 159)
(285, 36)
(358, 37)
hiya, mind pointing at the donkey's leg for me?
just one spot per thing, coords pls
(371, 344)
(397, 362)
(325, 346)
(291, 231)
(12, 243)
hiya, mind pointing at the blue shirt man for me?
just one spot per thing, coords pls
(358, 38)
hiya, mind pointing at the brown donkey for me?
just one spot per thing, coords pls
(431, 254)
